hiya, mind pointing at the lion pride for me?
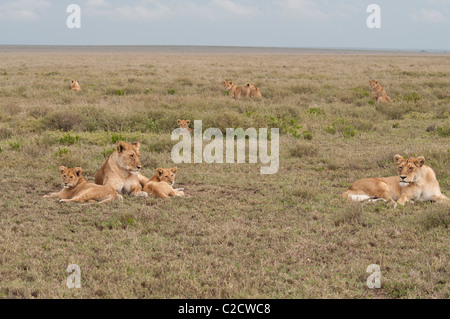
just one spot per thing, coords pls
(121, 170)
(415, 182)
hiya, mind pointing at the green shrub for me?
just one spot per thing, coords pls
(61, 152)
(413, 96)
(315, 111)
(116, 137)
(307, 135)
(69, 139)
(342, 126)
(108, 151)
(443, 131)
(15, 146)
(171, 91)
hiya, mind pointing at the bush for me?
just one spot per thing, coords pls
(443, 131)
(342, 126)
(64, 120)
(5, 133)
(301, 149)
(69, 139)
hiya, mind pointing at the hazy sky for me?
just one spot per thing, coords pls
(405, 24)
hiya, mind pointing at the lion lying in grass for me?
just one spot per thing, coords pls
(161, 184)
(379, 94)
(77, 189)
(75, 85)
(415, 181)
(121, 170)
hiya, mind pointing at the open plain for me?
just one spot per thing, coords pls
(236, 233)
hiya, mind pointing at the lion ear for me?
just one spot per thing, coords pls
(420, 160)
(160, 171)
(174, 169)
(62, 169)
(137, 145)
(398, 159)
(178, 121)
(78, 170)
(122, 146)
(188, 122)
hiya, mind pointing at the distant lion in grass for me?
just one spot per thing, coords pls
(77, 189)
(121, 170)
(161, 184)
(75, 85)
(235, 91)
(379, 94)
(254, 91)
(414, 182)
(184, 125)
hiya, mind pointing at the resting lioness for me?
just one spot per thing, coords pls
(254, 91)
(379, 94)
(75, 85)
(415, 181)
(161, 184)
(235, 91)
(77, 189)
(121, 170)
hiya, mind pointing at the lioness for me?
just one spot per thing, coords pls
(77, 189)
(184, 125)
(235, 91)
(75, 85)
(161, 184)
(415, 181)
(254, 91)
(121, 170)
(379, 94)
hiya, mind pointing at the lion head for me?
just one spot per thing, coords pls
(184, 124)
(129, 157)
(166, 175)
(408, 168)
(70, 176)
(373, 84)
(228, 85)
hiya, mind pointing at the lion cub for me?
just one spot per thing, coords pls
(77, 189)
(184, 125)
(160, 185)
(235, 91)
(379, 94)
(75, 85)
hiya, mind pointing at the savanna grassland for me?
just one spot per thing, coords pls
(236, 233)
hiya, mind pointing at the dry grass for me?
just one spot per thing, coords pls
(237, 234)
